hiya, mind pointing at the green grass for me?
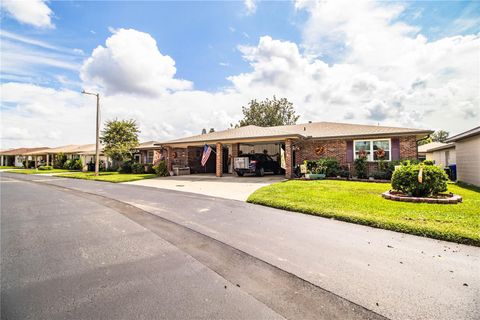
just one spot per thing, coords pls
(109, 176)
(7, 167)
(35, 171)
(361, 202)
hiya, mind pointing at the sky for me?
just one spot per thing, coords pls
(178, 67)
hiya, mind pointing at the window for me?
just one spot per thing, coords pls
(150, 157)
(374, 150)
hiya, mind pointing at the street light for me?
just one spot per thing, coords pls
(97, 142)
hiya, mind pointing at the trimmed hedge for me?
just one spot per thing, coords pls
(45, 168)
(138, 168)
(406, 179)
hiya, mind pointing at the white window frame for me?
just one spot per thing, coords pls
(370, 156)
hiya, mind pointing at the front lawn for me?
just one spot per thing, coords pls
(361, 202)
(35, 171)
(109, 176)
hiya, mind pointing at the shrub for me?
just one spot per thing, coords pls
(161, 169)
(73, 164)
(361, 167)
(428, 162)
(149, 168)
(60, 160)
(67, 164)
(311, 165)
(45, 168)
(409, 162)
(344, 173)
(126, 167)
(380, 175)
(31, 163)
(332, 167)
(138, 168)
(405, 179)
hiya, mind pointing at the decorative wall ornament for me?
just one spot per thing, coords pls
(320, 150)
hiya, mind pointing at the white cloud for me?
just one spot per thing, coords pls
(250, 5)
(130, 62)
(57, 117)
(386, 73)
(33, 12)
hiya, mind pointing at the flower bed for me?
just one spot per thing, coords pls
(439, 198)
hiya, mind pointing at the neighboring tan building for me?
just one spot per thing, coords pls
(15, 157)
(308, 141)
(443, 154)
(467, 148)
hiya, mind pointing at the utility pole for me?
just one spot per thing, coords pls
(97, 141)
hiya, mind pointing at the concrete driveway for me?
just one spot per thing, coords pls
(228, 186)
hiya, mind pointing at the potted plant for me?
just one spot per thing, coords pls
(317, 173)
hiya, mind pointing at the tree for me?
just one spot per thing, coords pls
(425, 141)
(204, 131)
(119, 138)
(437, 136)
(268, 113)
(440, 136)
(211, 130)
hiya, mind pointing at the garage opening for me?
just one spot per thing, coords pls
(259, 159)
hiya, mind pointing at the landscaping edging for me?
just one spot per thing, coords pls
(453, 199)
(346, 179)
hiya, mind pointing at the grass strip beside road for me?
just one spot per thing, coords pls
(114, 177)
(8, 167)
(35, 171)
(361, 202)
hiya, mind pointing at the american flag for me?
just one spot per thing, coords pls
(206, 154)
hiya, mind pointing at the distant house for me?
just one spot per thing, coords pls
(15, 157)
(443, 154)
(85, 152)
(467, 149)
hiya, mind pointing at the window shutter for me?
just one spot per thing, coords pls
(349, 150)
(395, 149)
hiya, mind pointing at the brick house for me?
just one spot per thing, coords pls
(308, 141)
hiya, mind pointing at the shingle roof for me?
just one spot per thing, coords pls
(21, 151)
(431, 145)
(313, 129)
(252, 132)
(336, 129)
(466, 134)
(147, 145)
(70, 148)
(435, 146)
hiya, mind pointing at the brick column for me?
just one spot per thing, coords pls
(156, 156)
(219, 160)
(169, 158)
(288, 158)
(235, 150)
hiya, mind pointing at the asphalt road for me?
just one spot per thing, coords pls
(348, 270)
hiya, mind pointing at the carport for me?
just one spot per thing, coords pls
(226, 145)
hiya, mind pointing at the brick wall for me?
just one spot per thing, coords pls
(288, 158)
(337, 149)
(332, 149)
(181, 158)
(408, 148)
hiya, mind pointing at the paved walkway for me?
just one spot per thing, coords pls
(228, 186)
